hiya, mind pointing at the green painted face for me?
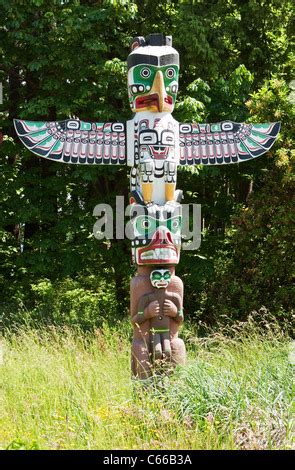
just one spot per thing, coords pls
(146, 225)
(160, 278)
(156, 236)
(151, 87)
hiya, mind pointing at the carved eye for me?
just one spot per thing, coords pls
(146, 224)
(167, 138)
(145, 73)
(157, 275)
(73, 125)
(227, 126)
(175, 224)
(170, 73)
(148, 137)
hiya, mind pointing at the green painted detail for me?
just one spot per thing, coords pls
(49, 139)
(242, 146)
(180, 312)
(158, 275)
(85, 126)
(163, 274)
(42, 133)
(143, 77)
(140, 313)
(146, 225)
(145, 74)
(35, 123)
(160, 330)
(175, 224)
(57, 146)
(261, 126)
(253, 142)
(215, 127)
(258, 134)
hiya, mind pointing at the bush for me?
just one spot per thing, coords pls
(68, 302)
(254, 269)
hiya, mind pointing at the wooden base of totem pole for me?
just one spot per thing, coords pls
(156, 315)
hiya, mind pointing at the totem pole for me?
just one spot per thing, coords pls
(153, 144)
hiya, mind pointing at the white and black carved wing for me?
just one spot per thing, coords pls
(225, 142)
(74, 141)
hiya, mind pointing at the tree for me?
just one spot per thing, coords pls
(68, 59)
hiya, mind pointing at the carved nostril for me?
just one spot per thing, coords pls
(169, 237)
(162, 236)
(159, 236)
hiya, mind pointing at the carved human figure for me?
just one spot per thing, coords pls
(156, 314)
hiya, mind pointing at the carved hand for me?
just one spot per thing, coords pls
(169, 308)
(152, 310)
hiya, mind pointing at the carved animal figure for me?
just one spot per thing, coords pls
(153, 143)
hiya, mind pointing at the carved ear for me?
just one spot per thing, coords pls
(132, 200)
(137, 42)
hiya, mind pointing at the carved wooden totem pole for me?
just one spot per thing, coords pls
(153, 144)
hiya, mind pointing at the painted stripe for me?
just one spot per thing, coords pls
(167, 59)
(160, 330)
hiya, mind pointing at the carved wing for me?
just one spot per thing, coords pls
(74, 141)
(224, 142)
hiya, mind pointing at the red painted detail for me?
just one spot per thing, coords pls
(159, 154)
(161, 239)
(146, 101)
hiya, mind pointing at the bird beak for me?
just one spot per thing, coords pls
(159, 88)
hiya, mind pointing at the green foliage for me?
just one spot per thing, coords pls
(256, 266)
(86, 303)
(68, 303)
(62, 59)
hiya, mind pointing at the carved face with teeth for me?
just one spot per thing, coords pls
(157, 235)
(158, 142)
(153, 69)
(160, 278)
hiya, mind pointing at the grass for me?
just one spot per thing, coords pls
(61, 389)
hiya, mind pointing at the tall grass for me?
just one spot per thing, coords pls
(62, 389)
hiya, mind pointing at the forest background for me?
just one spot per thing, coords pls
(61, 59)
